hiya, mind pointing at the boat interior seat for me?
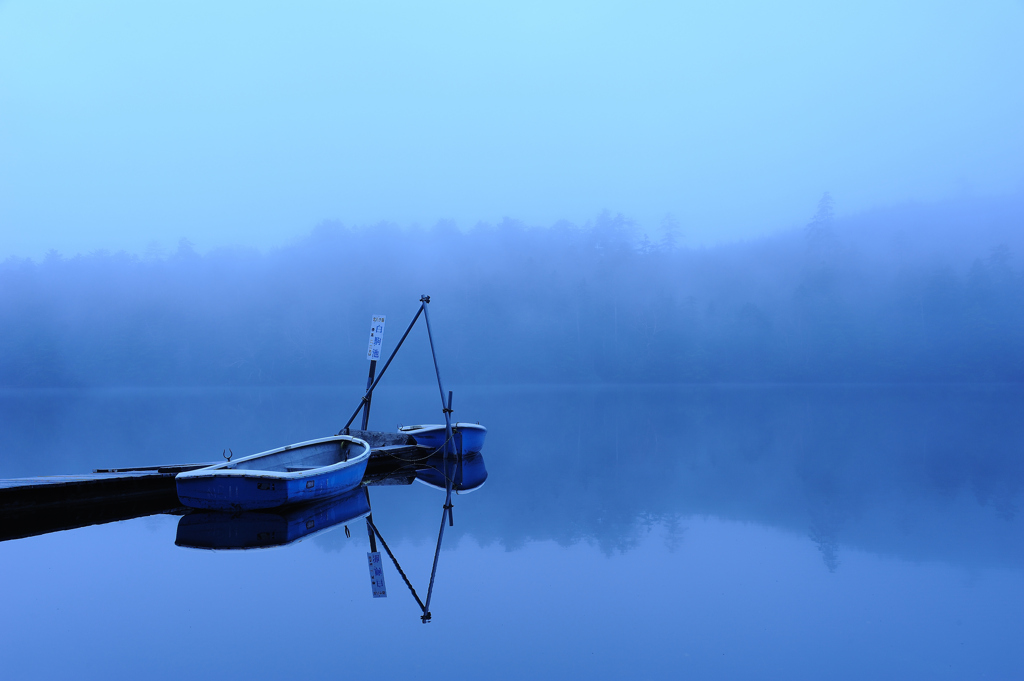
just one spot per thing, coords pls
(297, 469)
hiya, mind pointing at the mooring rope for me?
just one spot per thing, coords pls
(444, 474)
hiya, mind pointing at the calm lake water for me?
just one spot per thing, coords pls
(719, 532)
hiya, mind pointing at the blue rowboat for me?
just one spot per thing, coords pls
(469, 437)
(269, 528)
(302, 472)
(467, 473)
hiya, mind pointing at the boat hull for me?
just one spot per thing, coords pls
(468, 437)
(226, 488)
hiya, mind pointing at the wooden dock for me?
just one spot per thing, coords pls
(33, 506)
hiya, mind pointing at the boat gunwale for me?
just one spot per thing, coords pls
(227, 469)
(460, 492)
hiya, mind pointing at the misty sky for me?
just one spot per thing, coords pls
(125, 123)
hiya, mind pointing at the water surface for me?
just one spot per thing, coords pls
(714, 532)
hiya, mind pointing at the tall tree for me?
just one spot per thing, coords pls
(819, 230)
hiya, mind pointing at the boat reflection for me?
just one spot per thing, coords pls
(31, 508)
(285, 525)
(264, 529)
(221, 530)
(450, 474)
(467, 473)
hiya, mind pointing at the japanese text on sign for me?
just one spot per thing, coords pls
(376, 338)
(377, 575)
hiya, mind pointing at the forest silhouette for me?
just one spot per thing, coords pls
(906, 294)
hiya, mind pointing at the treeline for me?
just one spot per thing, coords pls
(857, 301)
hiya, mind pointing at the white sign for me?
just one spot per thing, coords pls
(377, 575)
(376, 338)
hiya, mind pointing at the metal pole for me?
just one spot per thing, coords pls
(449, 437)
(369, 391)
(446, 409)
(448, 478)
(369, 395)
(430, 337)
(369, 523)
(397, 566)
(433, 570)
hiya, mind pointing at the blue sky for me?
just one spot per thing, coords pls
(124, 124)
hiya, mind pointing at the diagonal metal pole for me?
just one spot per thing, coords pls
(446, 408)
(397, 566)
(430, 337)
(369, 390)
(433, 570)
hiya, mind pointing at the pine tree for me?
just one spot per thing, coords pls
(819, 230)
(670, 233)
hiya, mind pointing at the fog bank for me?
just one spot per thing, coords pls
(917, 293)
